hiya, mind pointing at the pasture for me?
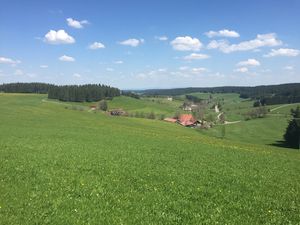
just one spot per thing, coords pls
(63, 166)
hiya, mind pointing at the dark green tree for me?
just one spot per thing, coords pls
(151, 116)
(292, 134)
(103, 105)
(223, 131)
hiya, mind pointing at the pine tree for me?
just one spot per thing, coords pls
(292, 134)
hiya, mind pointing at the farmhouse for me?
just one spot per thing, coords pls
(189, 107)
(93, 107)
(187, 120)
(117, 112)
(171, 120)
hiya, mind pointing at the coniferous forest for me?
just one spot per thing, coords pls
(82, 93)
(38, 88)
(72, 93)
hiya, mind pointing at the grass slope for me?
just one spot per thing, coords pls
(266, 131)
(146, 105)
(61, 166)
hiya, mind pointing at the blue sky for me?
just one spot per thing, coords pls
(153, 44)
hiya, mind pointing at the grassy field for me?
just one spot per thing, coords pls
(146, 105)
(63, 166)
(266, 131)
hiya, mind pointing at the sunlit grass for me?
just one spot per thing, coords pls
(62, 166)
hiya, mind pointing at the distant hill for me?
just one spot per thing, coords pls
(268, 94)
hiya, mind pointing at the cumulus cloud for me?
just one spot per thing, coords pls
(132, 42)
(58, 37)
(66, 58)
(161, 38)
(96, 45)
(77, 75)
(76, 24)
(186, 43)
(19, 72)
(242, 70)
(196, 56)
(288, 68)
(222, 33)
(198, 70)
(162, 70)
(118, 62)
(261, 40)
(249, 62)
(43, 66)
(283, 52)
(183, 68)
(5, 60)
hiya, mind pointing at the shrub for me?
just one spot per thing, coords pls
(151, 116)
(103, 105)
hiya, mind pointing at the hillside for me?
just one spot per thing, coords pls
(160, 106)
(64, 166)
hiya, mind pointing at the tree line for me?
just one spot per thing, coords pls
(38, 88)
(265, 94)
(83, 93)
(72, 93)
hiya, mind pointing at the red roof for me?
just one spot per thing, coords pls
(186, 120)
(172, 120)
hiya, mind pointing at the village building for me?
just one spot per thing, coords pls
(186, 120)
(117, 112)
(93, 107)
(171, 120)
(189, 107)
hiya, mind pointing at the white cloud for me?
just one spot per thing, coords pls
(162, 70)
(283, 52)
(217, 44)
(186, 43)
(31, 75)
(242, 70)
(58, 37)
(261, 40)
(76, 24)
(198, 70)
(132, 42)
(66, 58)
(5, 60)
(288, 68)
(19, 72)
(183, 68)
(43, 66)
(118, 62)
(196, 56)
(249, 62)
(161, 38)
(96, 45)
(222, 33)
(77, 75)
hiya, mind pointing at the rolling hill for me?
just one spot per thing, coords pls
(64, 166)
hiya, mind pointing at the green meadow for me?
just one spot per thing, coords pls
(65, 166)
(160, 106)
